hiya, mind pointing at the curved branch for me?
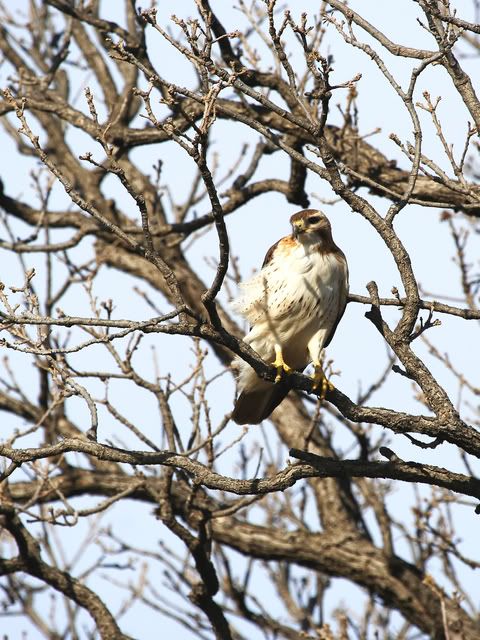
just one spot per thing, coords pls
(318, 466)
(30, 561)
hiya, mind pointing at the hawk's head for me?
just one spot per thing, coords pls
(311, 226)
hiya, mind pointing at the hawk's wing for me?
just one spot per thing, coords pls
(341, 310)
(255, 405)
(254, 300)
(271, 251)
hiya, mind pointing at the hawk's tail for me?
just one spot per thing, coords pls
(256, 404)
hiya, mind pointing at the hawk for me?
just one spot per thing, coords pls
(293, 304)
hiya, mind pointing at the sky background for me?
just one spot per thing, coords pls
(357, 349)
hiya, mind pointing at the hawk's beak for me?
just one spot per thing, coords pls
(298, 228)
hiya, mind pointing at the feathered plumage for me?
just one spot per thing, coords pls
(293, 304)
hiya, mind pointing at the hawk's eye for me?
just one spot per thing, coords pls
(314, 220)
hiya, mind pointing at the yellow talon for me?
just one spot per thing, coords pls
(320, 380)
(279, 363)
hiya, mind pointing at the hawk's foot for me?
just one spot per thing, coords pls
(320, 380)
(280, 365)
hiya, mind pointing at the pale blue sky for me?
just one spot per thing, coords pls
(357, 350)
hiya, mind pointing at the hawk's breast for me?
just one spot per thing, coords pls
(299, 289)
(307, 284)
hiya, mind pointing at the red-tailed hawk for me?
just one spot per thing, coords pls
(294, 304)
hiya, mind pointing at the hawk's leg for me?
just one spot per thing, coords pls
(315, 349)
(320, 380)
(280, 365)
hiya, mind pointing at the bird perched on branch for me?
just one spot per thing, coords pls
(294, 304)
